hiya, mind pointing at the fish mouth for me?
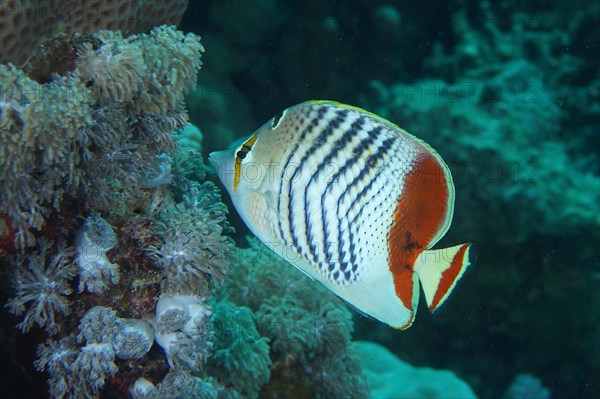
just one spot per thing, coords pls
(217, 159)
(212, 158)
(220, 161)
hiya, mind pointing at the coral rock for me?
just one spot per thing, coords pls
(27, 22)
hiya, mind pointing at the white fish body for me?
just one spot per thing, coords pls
(353, 201)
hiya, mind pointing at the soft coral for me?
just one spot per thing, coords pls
(42, 281)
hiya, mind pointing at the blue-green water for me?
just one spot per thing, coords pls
(507, 92)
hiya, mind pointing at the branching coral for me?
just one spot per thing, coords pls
(41, 285)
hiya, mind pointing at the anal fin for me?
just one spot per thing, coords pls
(439, 270)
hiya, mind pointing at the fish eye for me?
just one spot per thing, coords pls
(241, 154)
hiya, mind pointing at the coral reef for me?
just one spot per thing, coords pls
(93, 240)
(240, 355)
(27, 23)
(94, 363)
(520, 171)
(133, 339)
(92, 130)
(508, 93)
(76, 372)
(41, 285)
(511, 110)
(307, 327)
(99, 324)
(97, 158)
(526, 386)
(192, 244)
(187, 346)
(384, 370)
(88, 139)
(57, 359)
(88, 158)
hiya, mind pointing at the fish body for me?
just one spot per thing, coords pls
(353, 201)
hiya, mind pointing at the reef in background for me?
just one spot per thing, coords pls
(513, 106)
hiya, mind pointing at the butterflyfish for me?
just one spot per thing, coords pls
(353, 201)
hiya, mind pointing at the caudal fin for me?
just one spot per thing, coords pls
(439, 270)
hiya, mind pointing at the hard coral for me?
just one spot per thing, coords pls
(27, 22)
